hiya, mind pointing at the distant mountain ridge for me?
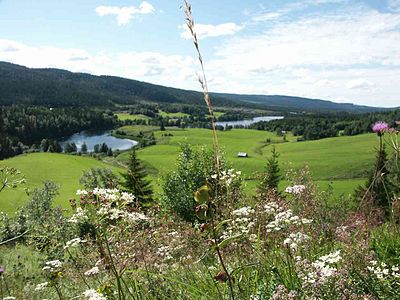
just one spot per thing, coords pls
(56, 87)
(301, 103)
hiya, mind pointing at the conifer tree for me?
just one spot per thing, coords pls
(271, 176)
(135, 181)
(84, 148)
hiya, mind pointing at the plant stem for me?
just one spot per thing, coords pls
(221, 260)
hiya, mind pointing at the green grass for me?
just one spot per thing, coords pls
(134, 130)
(343, 161)
(126, 116)
(165, 114)
(63, 169)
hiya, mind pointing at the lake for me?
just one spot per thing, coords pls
(93, 138)
(246, 123)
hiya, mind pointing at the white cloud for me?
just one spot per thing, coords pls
(394, 5)
(269, 16)
(360, 84)
(125, 14)
(316, 56)
(207, 30)
(154, 67)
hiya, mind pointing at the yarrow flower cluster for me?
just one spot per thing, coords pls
(380, 127)
(74, 243)
(52, 266)
(383, 271)
(227, 176)
(295, 190)
(272, 208)
(41, 286)
(93, 271)
(164, 252)
(241, 223)
(284, 219)
(116, 214)
(79, 216)
(111, 204)
(296, 239)
(81, 193)
(323, 268)
(93, 295)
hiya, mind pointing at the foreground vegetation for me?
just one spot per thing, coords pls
(203, 238)
(204, 241)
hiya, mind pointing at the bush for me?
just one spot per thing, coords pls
(193, 168)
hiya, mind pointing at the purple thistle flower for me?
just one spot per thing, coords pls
(380, 127)
(1, 270)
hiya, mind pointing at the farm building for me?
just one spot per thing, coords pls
(242, 154)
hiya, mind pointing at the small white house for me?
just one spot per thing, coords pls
(242, 154)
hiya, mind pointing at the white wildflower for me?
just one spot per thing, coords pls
(93, 295)
(93, 271)
(127, 197)
(295, 190)
(295, 239)
(79, 216)
(52, 265)
(81, 193)
(73, 243)
(41, 286)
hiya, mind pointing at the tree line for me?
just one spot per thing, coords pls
(318, 126)
(26, 126)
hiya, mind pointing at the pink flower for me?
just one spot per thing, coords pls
(1, 270)
(380, 127)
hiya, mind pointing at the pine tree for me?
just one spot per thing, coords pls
(271, 176)
(84, 148)
(135, 181)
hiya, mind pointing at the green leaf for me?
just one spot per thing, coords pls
(201, 211)
(221, 224)
(229, 240)
(202, 195)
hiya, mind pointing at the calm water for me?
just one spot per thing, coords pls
(248, 122)
(91, 139)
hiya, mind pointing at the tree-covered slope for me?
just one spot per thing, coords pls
(54, 87)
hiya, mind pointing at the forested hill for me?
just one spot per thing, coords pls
(300, 103)
(55, 87)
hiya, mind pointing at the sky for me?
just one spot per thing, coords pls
(338, 50)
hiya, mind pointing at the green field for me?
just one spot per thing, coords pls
(63, 169)
(126, 116)
(328, 159)
(165, 114)
(342, 161)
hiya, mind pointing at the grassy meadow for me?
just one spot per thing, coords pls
(65, 170)
(126, 116)
(341, 162)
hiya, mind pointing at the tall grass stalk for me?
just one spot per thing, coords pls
(203, 82)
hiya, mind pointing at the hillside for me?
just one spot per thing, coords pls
(298, 103)
(64, 170)
(57, 87)
(330, 160)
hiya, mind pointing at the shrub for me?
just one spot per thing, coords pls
(193, 169)
(98, 178)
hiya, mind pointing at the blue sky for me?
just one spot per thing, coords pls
(340, 50)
